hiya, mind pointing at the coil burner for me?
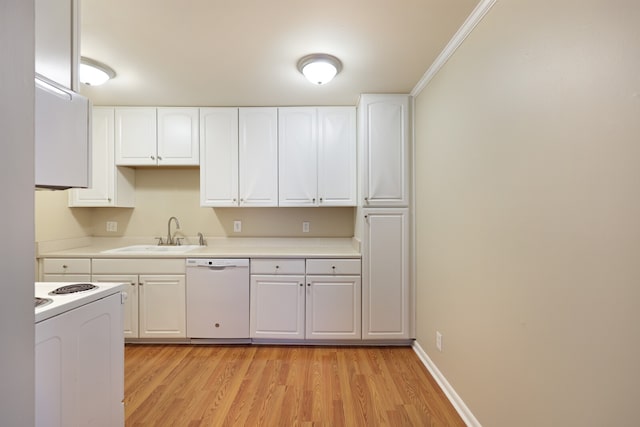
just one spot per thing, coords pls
(73, 288)
(39, 302)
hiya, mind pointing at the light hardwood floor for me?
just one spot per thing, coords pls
(183, 385)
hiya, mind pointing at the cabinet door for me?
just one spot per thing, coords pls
(135, 135)
(277, 307)
(333, 307)
(178, 136)
(297, 145)
(258, 156)
(337, 156)
(131, 302)
(102, 167)
(66, 277)
(161, 306)
(111, 186)
(219, 157)
(384, 133)
(385, 274)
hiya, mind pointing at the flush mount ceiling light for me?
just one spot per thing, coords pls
(94, 73)
(319, 68)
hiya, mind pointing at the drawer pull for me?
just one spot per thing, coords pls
(64, 266)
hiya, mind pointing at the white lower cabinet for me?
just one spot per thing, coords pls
(156, 303)
(385, 275)
(277, 299)
(288, 304)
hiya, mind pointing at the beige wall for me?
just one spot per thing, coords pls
(162, 193)
(528, 215)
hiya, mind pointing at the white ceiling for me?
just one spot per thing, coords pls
(244, 52)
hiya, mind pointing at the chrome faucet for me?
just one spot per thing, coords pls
(170, 239)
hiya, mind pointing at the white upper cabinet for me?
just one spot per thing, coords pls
(337, 166)
(219, 157)
(239, 157)
(178, 136)
(135, 136)
(147, 136)
(317, 152)
(297, 169)
(57, 52)
(384, 143)
(258, 156)
(111, 186)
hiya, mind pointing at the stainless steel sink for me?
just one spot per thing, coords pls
(151, 249)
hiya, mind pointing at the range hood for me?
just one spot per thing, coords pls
(62, 137)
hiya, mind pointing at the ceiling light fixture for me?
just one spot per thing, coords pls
(319, 68)
(94, 73)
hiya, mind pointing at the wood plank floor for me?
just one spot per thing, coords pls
(183, 385)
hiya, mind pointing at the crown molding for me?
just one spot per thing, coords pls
(467, 27)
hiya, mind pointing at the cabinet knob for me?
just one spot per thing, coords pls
(308, 284)
(313, 200)
(301, 284)
(64, 265)
(153, 157)
(159, 158)
(217, 325)
(366, 200)
(320, 199)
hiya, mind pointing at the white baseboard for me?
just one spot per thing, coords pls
(451, 394)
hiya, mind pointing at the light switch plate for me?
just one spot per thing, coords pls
(112, 226)
(237, 226)
(305, 227)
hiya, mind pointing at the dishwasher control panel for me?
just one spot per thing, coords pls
(217, 262)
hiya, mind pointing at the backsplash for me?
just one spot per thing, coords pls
(162, 193)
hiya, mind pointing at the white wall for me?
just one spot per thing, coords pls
(16, 193)
(528, 215)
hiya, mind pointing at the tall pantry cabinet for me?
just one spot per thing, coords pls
(383, 222)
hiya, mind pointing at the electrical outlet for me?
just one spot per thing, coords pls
(438, 341)
(237, 226)
(112, 226)
(305, 227)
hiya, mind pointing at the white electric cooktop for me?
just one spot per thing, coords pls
(65, 302)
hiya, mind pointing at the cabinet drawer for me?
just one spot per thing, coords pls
(334, 266)
(67, 265)
(138, 266)
(277, 266)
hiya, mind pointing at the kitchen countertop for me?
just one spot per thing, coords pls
(217, 247)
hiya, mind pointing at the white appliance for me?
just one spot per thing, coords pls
(62, 137)
(79, 352)
(218, 298)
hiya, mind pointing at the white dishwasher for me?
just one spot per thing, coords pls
(217, 298)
